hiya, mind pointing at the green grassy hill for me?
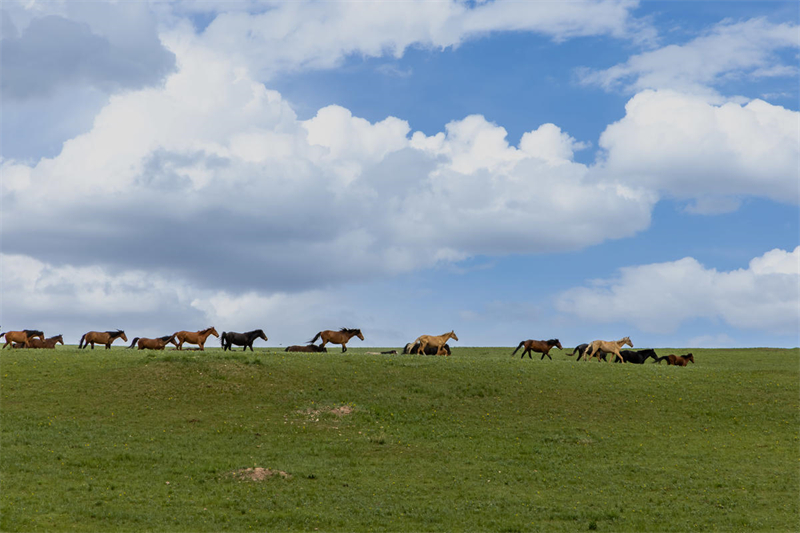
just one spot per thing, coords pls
(124, 440)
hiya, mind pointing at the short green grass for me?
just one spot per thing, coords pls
(123, 440)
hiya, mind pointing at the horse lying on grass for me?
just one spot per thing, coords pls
(676, 360)
(311, 348)
(412, 348)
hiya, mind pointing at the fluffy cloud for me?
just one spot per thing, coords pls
(729, 50)
(214, 179)
(658, 298)
(691, 149)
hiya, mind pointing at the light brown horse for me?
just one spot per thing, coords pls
(101, 337)
(47, 344)
(143, 343)
(22, 337)
(542, 347)
(437, 341)
(676, 360)
(597, 347)
(337, 337)
(195, 337)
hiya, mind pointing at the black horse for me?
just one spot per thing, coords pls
(580, 350)
(228, 338)
(637, 357)
(412, 348)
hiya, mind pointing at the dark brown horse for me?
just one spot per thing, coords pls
(47, 344)
(307, 348)
(101, 337)
(337, 337)
(22, 337)
(143, 343)
(412, 348)
(542, 347)
(195, 337)
(229, 338)
(676, 360)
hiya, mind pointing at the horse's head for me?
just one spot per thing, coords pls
(262, 335)
(556, 343)
(453, 334)
(122, 335)
(213, 331)
(627, 341)
(689, 357)
(359, 334)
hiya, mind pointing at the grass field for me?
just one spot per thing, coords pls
(124, 440)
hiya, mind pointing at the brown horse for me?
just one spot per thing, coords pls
(437, 341)
(597, 347)
(542, 347)
(337, 337)
(48, 344)
(676, 360)
(22, 337)
(307, 348)
(143, 343)
(101, 337)
(195, 337)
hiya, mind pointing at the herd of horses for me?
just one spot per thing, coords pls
(424, 344)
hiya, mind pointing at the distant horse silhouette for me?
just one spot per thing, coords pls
(143, 343)
(337, 337)
(597, 347)
(47, 344)
(676, 360)
(542, 347)
(412, 348)
(195, 337)
(23, 337)
(229, 338)
(101, 337)
(307, 348)
(438, 341)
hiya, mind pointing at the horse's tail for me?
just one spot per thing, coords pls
(2, 334)
(222, 338)
(518, 347)
(659, 359)
(574, 351)
(133, 342)
(312, 341)
(80, 344)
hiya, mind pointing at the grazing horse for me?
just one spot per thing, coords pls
(676, 360)
(48, 344)
(337, 337)
(412, 348)
(542, 347)
(101, 337)
(195, 337)
(597, 347)
(306, 348)
(437, 341)
(229, 338)
(143, 343)
(23, 337)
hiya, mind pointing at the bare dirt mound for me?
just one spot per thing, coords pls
(340, 411)
(258, 474)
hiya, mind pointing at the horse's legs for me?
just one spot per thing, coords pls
(421, 349)
(344, 347)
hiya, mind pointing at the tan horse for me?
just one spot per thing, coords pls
(337, 337)
(597, 347)
(23, 337)
(160, 343)
(436, 341)
(101, 337)
(195, 337)
(47, 344)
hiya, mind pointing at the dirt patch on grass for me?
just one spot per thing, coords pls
(340, 411)
(258, 474)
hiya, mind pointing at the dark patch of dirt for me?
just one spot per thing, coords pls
(258, 474)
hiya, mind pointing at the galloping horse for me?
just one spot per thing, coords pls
(677, 360)
(143, 343)
(436, 341)
(542, 347)
(240, 339)
(337, 337)
(23, 337)
(307, 348)
(101, 337)
(597, 347)
(49, 343)
(195, 337)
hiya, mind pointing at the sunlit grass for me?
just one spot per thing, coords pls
(130, 440)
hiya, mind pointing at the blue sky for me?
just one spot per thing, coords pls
(510, 171)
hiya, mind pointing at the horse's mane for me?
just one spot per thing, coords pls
(207, 329)
(115, 333)
(350, 330)
(165, 338)
(552, 342)
(30, 332)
